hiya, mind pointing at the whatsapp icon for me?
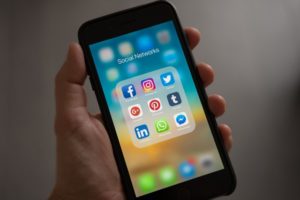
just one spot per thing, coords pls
(161, 125)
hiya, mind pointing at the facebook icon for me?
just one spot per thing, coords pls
(128, 91)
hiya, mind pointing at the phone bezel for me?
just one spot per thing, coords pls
(222, 182)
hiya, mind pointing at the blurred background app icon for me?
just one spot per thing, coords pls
(114, 95)
(170, 56)
(146, 182)
(187, 170)
(163, 36)
(112, 74)
(144, 43)
(206, 161)
(132, 68)
(106, 54)
(167, 176)
(125, 48)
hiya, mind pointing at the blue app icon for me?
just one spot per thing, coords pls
(128, 91)
(144, 43)
(174, 99)
(181, 119)
(167, 79)
(187, 170)
(170, 56)
(142, 131)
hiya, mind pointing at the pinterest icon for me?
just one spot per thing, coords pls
(135, 111)
(154, 105)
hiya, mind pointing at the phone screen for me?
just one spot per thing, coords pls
(157, 113)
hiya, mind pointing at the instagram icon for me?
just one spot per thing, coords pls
(148, 85)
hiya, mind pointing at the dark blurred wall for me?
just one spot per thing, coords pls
(254, 47)
(4, 70)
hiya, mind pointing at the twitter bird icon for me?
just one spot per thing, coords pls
(167, 79)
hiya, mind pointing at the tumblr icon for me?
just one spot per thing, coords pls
(174, 99)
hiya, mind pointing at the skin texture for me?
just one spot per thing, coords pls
(85, 165)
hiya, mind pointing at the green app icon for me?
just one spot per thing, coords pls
(161, 125)
(167, 176)
(146, 182)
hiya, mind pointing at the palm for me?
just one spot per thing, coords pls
(88, 148)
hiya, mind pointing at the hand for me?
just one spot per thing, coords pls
(86, 168)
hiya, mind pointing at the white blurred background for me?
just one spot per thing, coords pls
(254, 47)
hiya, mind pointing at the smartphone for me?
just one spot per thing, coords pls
(165, 139)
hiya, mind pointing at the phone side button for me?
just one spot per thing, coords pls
(92, 83)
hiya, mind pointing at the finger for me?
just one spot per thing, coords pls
(217, 104)
(193, 35)
(226, 133)
(98, 116)
(69, 80)
(206, 73)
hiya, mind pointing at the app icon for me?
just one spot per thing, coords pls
(167, 176)
(135, 111)
(161, 125)
(146, 182)
(187, 170)
(154, 105)
(132, 68)
(170, 56)
(112, 74)
(206, 161)
(125, 49)
(114, 95)
(167, 79)
(148, 85)
(174, 99)
(144, 43)
(163, 36)
(106, 54)
(181, 119)
(142, 131)
(128, 91)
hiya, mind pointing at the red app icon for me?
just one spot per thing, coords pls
(135, 111)
(154, 105)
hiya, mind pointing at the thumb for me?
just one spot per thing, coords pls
(69, 91)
